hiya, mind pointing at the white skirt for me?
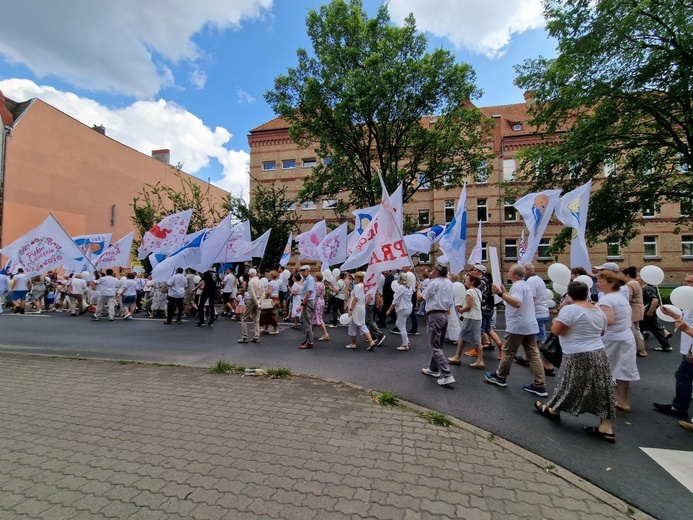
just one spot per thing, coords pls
(622, 355)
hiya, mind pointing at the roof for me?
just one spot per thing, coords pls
(275, 124)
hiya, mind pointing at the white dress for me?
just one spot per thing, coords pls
(296, 299)
(618, 340)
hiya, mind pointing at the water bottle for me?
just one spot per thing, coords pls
(254, 372)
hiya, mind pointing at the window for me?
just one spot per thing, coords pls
(482, 210)
(290, 206)
(269, 166)
(543, 249)
(509, 211)
(511, 248)
(482, 173)
(687, 245)
(686, 207)
(329, 203)
(609, 169)
(424, 217)
(424, 183)
(327, 161)
(447, 179)
(649, 212)
(517, 127)
(613, 250)
(509, 170)
(484, 252)
(424, 258)
(449, 211)
(289, 164)
(309, 163)
(650, 246)
(308, 205)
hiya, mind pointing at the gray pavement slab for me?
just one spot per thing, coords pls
(100, 439)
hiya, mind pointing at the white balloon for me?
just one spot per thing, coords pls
(286, 274)
(652, 274)
(327, 275)
(336, 272)
(559, 273)
(264, 281)
(552, 304)
(549, 295)
(344, 319)
(394, 285)
(560, 289)
(586, 280)
(664, 317)
(682, 297)
(458, 289)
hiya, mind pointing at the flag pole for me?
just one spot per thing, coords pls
(70, 237)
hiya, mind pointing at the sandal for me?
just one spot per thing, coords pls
(543, 409)
(551, 372)
(487, 346)
(454, 361)
(476, 364)
(606, 437)
(370, 346)
(521, 361)
(324, 338)
(351, 345)
(403, 347)
(622, 407)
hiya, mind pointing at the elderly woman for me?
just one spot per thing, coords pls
(619, 341)
(317, 320)
(584, 384)
(470, 331)
(357, 313)
(402, 305)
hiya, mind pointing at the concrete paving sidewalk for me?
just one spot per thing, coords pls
(93, 439)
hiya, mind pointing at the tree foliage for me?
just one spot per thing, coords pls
(268, 209)
(620, 95)
(359, 99)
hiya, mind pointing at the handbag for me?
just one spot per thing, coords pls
(551, 350)
(266, 304)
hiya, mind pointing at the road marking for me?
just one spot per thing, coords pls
(679, 464)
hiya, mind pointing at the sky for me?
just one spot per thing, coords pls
(190, 76)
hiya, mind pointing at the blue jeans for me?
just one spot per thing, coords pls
(684, 385)
(542, 329)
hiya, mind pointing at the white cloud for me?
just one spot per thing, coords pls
(243, 96)
(482, 27)
(198, 79)
(123, 46)
(147, 126)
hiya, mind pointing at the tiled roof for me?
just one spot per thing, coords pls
(275, 124)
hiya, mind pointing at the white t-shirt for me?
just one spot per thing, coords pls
(176, 286)
(475, 312)
(274, 284)
(521, 321)
(77, 286)
(129, 287)
(585, 327)
(402, 299)
(107, 286)
(620, 329)
(541, 305)
(21, 282)
(229, 284)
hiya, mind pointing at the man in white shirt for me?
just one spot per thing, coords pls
(20, 289)
(229, 287)
(106, 286)
(337, 287)
(439, 298)
(4, 289)
(76, 290)
(520, 330)
(176, 294)
(254, 293)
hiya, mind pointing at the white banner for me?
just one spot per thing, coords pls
(118, 253)
(333, 248)
(167, 236)
(536, 210)
(572, 212)
(309, 241)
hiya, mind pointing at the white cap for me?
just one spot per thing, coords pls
(252, 272)
(304, 267)
(608, 266)
(480, 267)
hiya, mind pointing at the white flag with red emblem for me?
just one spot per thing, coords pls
(167, 236)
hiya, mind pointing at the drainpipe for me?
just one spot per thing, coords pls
(6, 131)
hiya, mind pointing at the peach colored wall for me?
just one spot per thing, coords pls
(56, 164)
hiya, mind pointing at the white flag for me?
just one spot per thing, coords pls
(422, 241)
(536, 210)
(255, 250)
(45, 247)
(118, 253)
(309, 241)
(572, 212)
(363, 217)
(167, 236)
(189, 255)
(333, 248)
(389, 250)
(287, 251)
(92, 247)
(476, 256)
(223, 242)
(453, 243)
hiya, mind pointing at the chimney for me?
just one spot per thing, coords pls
(100, 129)
(163, 156)
(529, 98)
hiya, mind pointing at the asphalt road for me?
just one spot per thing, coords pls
(622, 469)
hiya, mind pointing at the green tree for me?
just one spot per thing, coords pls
(361, 98)
(619, 95)
(155, 201)
(268, 209)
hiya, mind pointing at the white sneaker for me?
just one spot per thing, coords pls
(127, 316)
(431, 373)
(443, 381)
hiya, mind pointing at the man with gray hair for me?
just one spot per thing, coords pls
(520, 330)
(254, 292)
(307, 307)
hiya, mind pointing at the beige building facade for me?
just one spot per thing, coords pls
(52, 163)
(274, 158)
